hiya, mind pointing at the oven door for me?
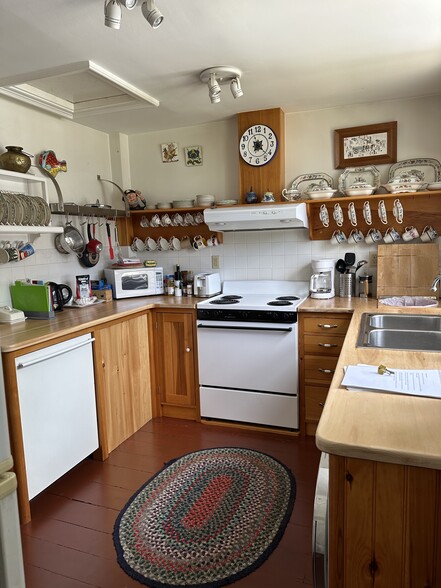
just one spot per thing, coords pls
(248, 372)
(259, 357)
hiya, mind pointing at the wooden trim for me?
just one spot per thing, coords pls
(261, 429)
(152, 334)
(341, 134)
(102, 453)
(16, 436)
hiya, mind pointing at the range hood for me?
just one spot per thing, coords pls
(252, 218)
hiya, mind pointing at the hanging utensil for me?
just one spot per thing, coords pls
(360, 264)
(349, 259)
(340, 266)
(89, 258)
(111, 253)
(117, 247)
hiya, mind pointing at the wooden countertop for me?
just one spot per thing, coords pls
(377, 426)
(337, 304)
(71, 320)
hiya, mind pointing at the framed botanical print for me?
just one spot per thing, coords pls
(366, 145)
(169, 152)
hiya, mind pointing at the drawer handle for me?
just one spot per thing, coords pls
(327, 326)
(326, 371)
(187, 349)
(321, 404)
(327, 345)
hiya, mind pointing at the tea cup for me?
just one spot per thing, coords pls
(199, 242)
(177, 220)
(155, 221)
(199, 218)
(166, 220)
(268, 197)
(212, 241)
(9, 254)
(186, 242)
(410, 233)
(391, 235)
(324, 215)
(138, 245)
(150, 244)
(338, 215)
(338, 237)
(429, 234)
(398, 211)
(355, 236)
(175, 244)
(373, 236)
(188, 219)
(163, 244)
(367, 214)
(144, 222)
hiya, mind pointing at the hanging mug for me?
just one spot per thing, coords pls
(352, 214)
(410, 233)
(338, 237)
(373, 236)
(355, 237)
(391, 235)
(367, 213)
(429, 234)
(338, 215)
(324, 216)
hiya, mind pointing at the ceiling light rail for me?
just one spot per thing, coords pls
(222, 74)
(113, 12)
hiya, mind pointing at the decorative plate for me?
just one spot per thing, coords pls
(28, 214)
(427, 169)
(318, 181)
(368, 174)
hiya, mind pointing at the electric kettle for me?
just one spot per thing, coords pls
(60, 295)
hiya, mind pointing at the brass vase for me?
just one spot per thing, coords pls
(15, 160)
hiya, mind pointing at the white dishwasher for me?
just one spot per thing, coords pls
(56, 392)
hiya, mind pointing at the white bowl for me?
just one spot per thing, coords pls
(205, 198)
(317, 194)
(366, 191)
(434, 186)
(396, 188)
(164, 205)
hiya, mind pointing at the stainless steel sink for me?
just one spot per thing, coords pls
(405, 322)
(412, 340)
(400, 331)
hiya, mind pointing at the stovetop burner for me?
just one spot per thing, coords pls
(226, 300)
(231, 297)
(287, 298)
(279, 302)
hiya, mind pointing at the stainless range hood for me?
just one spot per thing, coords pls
(252, 218)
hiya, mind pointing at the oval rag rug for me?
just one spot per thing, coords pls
(206, 519)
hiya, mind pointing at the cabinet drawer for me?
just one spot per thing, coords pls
(324, 324)
(315, 397)
(319, 368)
(323, 344)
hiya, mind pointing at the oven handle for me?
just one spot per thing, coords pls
(280, 330)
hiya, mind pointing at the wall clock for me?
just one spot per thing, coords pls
(258, 145)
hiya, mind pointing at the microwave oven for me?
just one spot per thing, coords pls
(129, 282)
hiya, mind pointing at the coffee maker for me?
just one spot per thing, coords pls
(321, 284)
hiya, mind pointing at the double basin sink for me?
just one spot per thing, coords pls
(413, 332)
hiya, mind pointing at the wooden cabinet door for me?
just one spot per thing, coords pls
(122, 358)
(176, 360)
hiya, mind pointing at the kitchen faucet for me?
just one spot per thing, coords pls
(436, 282)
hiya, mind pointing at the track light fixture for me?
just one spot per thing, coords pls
(214, 76)
(153, 16)
(113, 12)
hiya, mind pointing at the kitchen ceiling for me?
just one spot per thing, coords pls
(294, 54)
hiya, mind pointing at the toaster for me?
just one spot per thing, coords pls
(206, 285)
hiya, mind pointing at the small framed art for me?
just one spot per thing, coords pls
(193, 155)
(366, 145)
(169, 152)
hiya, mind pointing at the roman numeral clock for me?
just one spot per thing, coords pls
(261, 136)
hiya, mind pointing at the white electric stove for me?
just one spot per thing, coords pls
(248, 352)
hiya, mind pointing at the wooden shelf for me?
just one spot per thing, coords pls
(420, 209)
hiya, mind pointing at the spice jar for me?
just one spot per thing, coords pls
(365, 286)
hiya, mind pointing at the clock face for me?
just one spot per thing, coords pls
(258, 145)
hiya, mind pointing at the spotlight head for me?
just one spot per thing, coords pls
(236, 88)
(214, 89)
(129, 4)
(153, 16)
(112, 14)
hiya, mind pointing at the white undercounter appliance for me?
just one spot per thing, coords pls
(248, 353)
(56, 390)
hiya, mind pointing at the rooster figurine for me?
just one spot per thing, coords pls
(49, 162)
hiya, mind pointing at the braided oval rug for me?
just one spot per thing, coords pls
(206, 519)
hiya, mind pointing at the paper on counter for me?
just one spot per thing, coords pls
(425, 383)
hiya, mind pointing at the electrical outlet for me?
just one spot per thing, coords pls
(215, 261)
(373, 258)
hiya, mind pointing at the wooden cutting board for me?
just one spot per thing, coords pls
(407, 269)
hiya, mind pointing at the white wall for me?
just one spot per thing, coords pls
(87, 154)
(265, 255)
(309, 148)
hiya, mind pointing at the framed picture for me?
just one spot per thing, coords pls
(169, 152)
(370, 144)
(193, 155)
